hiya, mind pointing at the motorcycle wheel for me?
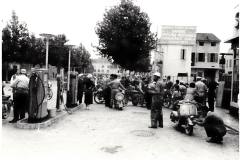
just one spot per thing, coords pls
(189, 129)
(97, 99)
(6, 111)
(135, 101)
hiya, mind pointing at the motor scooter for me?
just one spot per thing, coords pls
(119, 100)
(98, 96)
(7, 104)
(186, 115)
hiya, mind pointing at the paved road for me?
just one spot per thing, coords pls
(109, 134)
(103, 133)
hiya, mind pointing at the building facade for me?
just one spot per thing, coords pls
(103, 66)
(205, 56)
(174, 51)
(234, 40)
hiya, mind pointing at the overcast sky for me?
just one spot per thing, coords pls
(77, 18)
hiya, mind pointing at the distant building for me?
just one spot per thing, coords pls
(173, 53)
(103, 66)
(205, 56)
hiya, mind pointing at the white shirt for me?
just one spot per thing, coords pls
(21, 81)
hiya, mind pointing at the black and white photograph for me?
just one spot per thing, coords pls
(119, 79)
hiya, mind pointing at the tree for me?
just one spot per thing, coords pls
(15, 43)
(81, 59)
(36, 51)
(125, 37)
(58, 52)
(15, 40)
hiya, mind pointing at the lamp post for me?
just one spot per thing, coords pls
(69, 95)
(47, 36)
(69, 63)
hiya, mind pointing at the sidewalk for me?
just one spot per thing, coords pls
(227, 117)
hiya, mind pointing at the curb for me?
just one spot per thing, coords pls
(22, 124)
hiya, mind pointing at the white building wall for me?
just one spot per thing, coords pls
(172, 62)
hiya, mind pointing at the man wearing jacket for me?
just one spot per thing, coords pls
(156, 89)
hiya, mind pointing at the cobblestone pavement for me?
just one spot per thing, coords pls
(103, 133)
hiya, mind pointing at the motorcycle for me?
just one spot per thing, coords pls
(186, 116)
(167, 98)
(7, 103)
(98, 96)
(119, 100)
(135, 96)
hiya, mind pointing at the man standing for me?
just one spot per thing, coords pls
(20, 85)
(106, 91)
(212, 86)
(201, 89)
(156, 89)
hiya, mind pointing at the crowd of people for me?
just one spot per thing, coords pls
(155, 89)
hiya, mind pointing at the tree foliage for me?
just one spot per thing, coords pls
(125, 36)
(15, 41)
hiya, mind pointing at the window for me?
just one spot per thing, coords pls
(183, 53)
(107, 71)
(102, 66)
(201, 57)
(201, 43)
(213, 43)
(98, 70)
(213, 57)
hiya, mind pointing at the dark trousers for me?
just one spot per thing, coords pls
(20, 105)
(79, 96)
(148, 100)
(107, 96)
(215, 131)
(156, 111)
(211, 102)
(156, 118)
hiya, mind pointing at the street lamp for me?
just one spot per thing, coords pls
(69, 62)
(47, 36)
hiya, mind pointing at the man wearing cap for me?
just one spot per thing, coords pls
(156, 89)
(20, 85)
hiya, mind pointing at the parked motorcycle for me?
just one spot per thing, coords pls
(98, 96)
(186, 115)
(167, 98)
(135, 96)
(119, 100)
(7, 104)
